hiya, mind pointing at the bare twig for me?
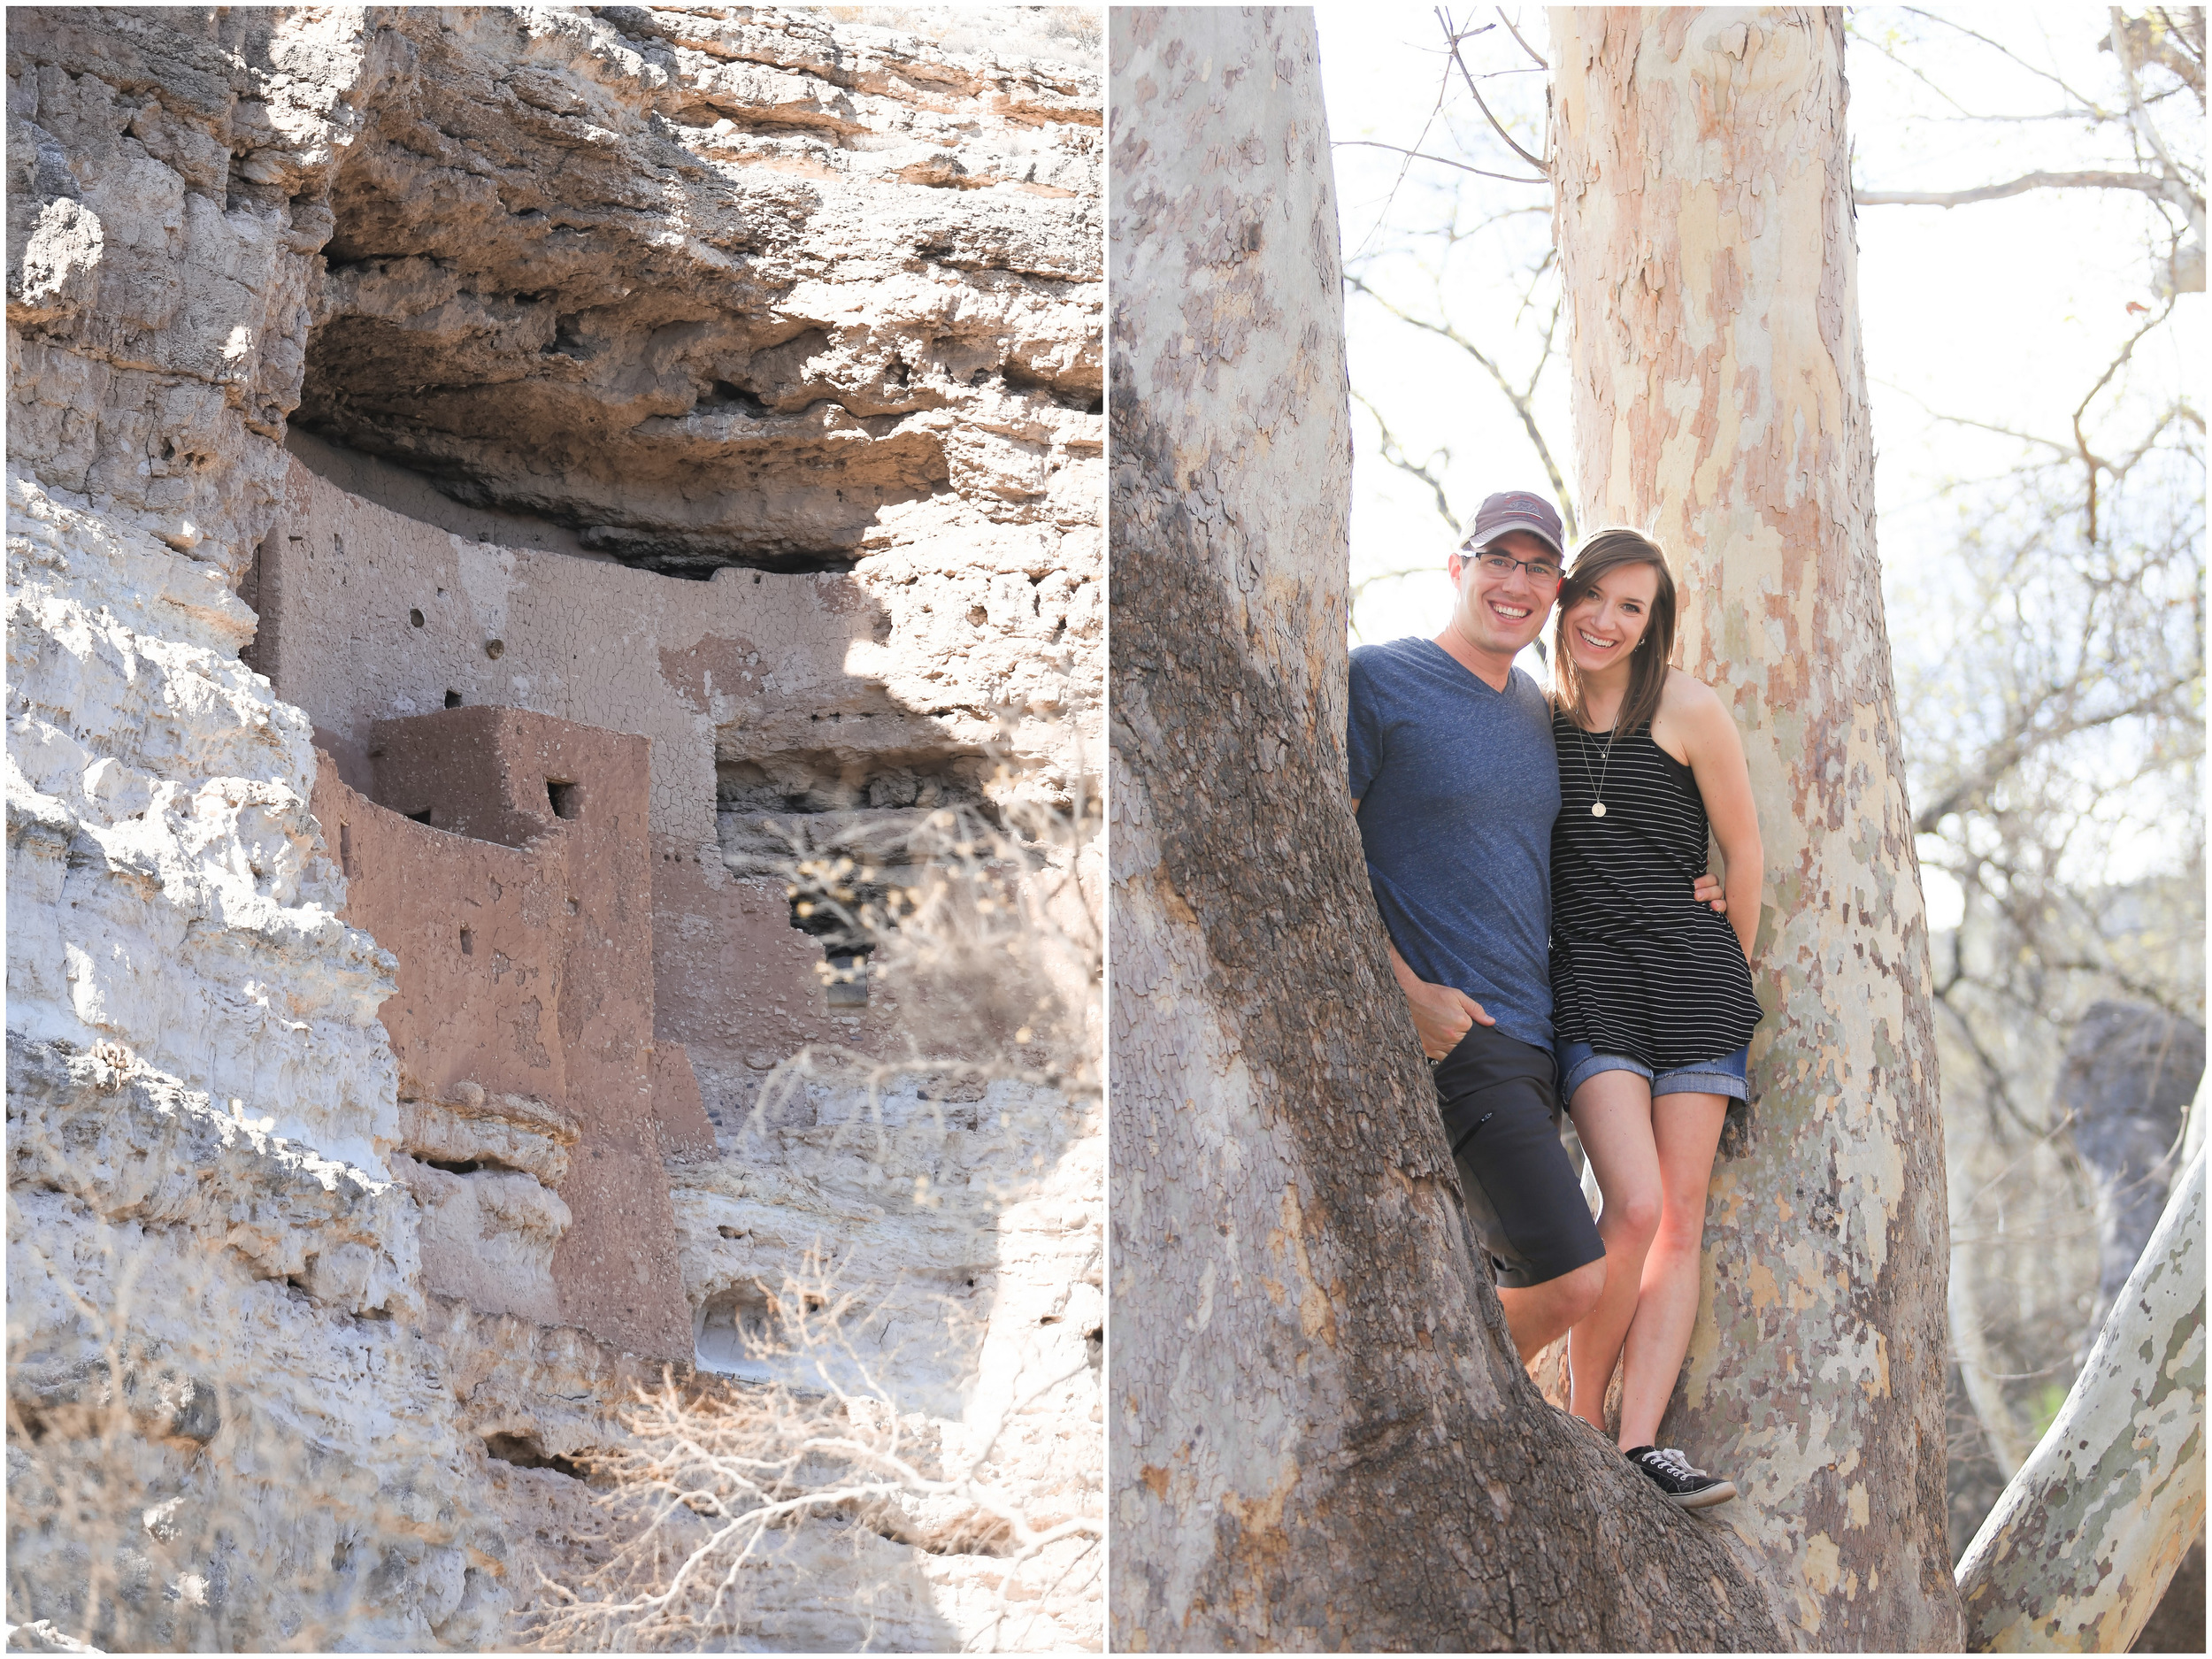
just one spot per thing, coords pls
(2081, 440)
(1394, 453)
(1452, 39)
(1522, 399)
(1443, 161)
(1526, 47)
(2045, 74)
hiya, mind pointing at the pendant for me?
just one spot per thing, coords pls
(1597, 808)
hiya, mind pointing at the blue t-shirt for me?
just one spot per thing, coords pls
(1457, 786)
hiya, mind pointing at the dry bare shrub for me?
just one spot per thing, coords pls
(979, 917)
(717, 1483)
(140, 1479)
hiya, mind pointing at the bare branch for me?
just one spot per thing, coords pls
(2009, 751)
(1394, 453)
(1526, 47)
(2091, 103)
(1365, 582)
(2159, 38)
(2081, 439)
(1452, 39)
(1523, 401)
(1443, 87)
(1370, 144)
(2140, 116)
(2166, 189)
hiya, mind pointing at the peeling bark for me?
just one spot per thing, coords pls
(2080, 1548)
(1703, 209)
(1320, 1435)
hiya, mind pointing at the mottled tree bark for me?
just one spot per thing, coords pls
(2080, 1548)
(1320, 1435)
(1705, 234)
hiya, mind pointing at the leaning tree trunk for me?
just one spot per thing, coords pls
(1705, 220)
(2079, 1549)
(1320, 1434)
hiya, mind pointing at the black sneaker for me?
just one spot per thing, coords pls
(1687, 1488)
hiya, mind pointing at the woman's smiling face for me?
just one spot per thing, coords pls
(1602, 627)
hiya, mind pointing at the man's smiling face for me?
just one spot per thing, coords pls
(1501, 614)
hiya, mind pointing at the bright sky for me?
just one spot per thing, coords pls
(2003, 311)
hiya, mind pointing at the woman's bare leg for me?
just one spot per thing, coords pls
(1685, 1130)
(1612, 1114)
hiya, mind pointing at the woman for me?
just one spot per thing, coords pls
(1652, 991)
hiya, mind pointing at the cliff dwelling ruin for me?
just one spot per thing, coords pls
(491, 494)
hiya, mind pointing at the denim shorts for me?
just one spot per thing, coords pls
(1578, 1063)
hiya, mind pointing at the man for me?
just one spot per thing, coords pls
(1455, 783)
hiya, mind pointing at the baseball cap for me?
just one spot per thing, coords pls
(1517, 509)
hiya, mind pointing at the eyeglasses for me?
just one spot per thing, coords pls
(1502, 564)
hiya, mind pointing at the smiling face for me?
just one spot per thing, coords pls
(1602, 629)
(1498, 615)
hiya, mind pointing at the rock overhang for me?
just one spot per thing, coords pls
(605, 299)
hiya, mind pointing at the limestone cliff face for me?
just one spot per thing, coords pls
(570, 307)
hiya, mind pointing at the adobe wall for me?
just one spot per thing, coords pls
(522, 1019)
(852, 670)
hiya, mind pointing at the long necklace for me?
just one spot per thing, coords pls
(1597, 785)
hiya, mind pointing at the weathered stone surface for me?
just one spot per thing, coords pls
(715, 289)
(811, 305)
(2123, 1090)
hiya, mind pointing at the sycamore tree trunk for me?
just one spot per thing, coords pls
(1705, 236)
(1320, 1435)
(2083, 1542)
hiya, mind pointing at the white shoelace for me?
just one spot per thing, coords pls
(1671, 1460)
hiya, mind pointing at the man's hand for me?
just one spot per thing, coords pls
(1707, 891)
(1442, 1015)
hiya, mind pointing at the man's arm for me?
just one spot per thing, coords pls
(1441, 1016)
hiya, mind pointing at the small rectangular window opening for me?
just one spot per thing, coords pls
(452, 699)
(468, 942)
(567, 798)
(849, 980)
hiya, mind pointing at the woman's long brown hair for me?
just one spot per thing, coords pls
(1609, 551)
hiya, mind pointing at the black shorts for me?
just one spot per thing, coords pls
(1502, 1121)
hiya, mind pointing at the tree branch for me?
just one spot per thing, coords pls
(2089, 103)
(2168, 190)
(2081, 439)
(1394, 453)
(2139, 115)
(1452, 40)
(1370, 144)
(1522, 405)
(2009, 751)
(1515, 33)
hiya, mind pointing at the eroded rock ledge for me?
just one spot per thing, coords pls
(707, 290)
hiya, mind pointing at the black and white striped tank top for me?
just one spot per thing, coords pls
(1639, 968)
